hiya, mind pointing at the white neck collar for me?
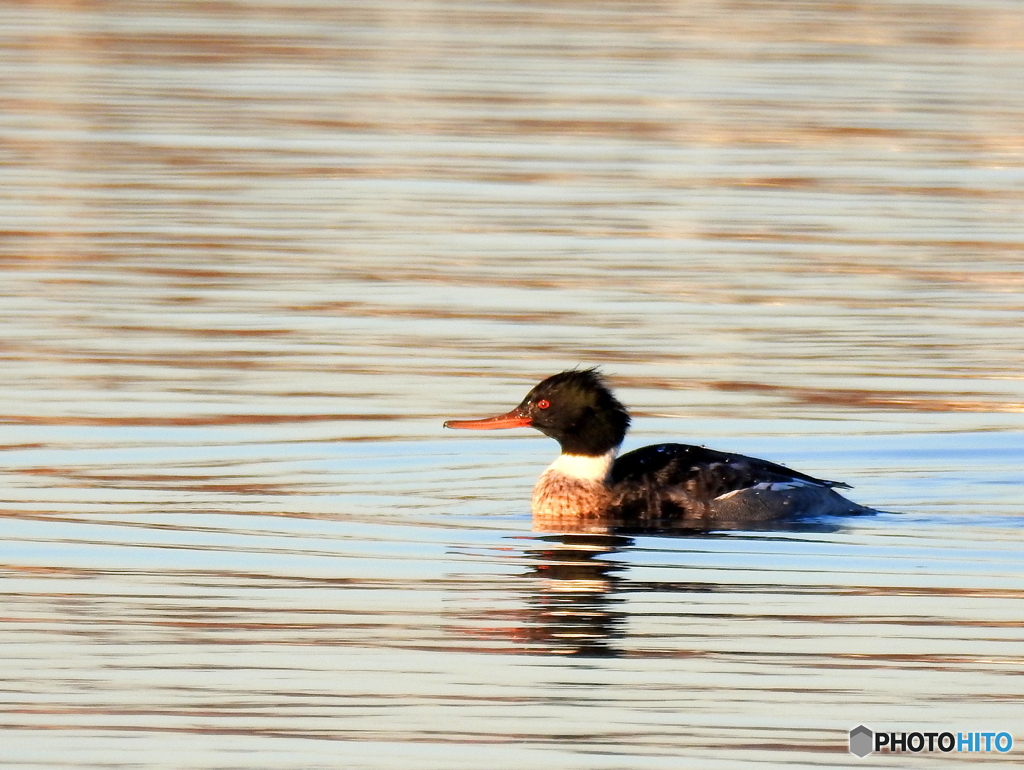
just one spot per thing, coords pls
(584, 467)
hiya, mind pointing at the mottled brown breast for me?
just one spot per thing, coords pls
(559, 496)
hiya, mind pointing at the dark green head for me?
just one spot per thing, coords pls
(575, 408)
(578, 410)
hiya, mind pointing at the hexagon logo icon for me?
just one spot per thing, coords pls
(861, 741)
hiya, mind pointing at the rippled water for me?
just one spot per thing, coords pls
(253, 254)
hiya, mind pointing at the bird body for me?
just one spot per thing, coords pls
(663, 485)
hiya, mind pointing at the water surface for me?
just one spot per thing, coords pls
(254, 254)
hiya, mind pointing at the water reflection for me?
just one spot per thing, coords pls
(576, 605)
(252, 252)
(672, 526)
(576, 608)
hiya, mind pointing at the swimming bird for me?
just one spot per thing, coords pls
(663, 485)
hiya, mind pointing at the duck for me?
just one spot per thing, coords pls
(681, 486)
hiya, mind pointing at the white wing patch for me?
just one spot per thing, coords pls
(771, 486)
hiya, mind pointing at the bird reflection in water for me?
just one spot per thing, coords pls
(576, 608)
(578, 603)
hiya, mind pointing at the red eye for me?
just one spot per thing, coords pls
(543, 404)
